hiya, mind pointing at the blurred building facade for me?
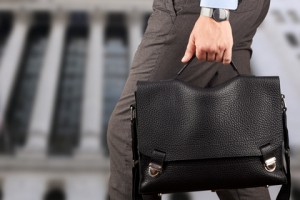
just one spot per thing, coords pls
(62, 68)
(277, 52)
(63, 65)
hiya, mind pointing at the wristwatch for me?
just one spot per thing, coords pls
(218, 14)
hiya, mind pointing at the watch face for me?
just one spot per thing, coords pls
(220, 15)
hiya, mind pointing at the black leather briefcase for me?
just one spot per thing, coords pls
(230, 136)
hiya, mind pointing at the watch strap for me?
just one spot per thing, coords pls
(207, 12)
(217, 14)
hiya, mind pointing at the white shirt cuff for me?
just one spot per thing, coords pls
(226, 4)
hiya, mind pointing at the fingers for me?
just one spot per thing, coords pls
(210, 57)
(209, 54)
(201, 54)
(220, 53)
(190, 50)
(227, 56)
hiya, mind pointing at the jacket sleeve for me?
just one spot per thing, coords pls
(226, 4)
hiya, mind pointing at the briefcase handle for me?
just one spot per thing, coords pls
(188, 63)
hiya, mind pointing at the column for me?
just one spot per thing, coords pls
(44, 107)
(12, 56)
(135, 29)
(92, 108)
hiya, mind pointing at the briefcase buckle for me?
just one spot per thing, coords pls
(270, 164)
(154, 170)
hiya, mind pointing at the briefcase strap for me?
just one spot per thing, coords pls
(284, 193)
(135, 165)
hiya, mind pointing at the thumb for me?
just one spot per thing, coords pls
(189, 52)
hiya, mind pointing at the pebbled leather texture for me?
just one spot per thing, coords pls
(211, 137)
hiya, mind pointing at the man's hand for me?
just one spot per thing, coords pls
(210, 40)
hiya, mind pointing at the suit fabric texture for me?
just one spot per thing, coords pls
(158, 57)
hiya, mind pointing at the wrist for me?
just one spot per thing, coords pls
(218, 14)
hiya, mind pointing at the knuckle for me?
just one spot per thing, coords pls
(200, 48)
(226, 60)
(211, 49)
(221, 47)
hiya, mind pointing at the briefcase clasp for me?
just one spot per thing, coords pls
(154, 170)
(270, 164)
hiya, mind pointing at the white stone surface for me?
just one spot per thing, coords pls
(11, 58)
(24, 187)
(86, 187)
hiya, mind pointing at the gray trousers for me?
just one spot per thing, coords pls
(157, 58)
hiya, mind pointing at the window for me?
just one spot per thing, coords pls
(116, 28)
(116, 72)
(5, 28)
(292, 39)
(66, 125)
(146, 18)
(116, 68)
(21, 103)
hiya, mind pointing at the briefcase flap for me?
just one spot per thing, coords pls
(234, 119)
